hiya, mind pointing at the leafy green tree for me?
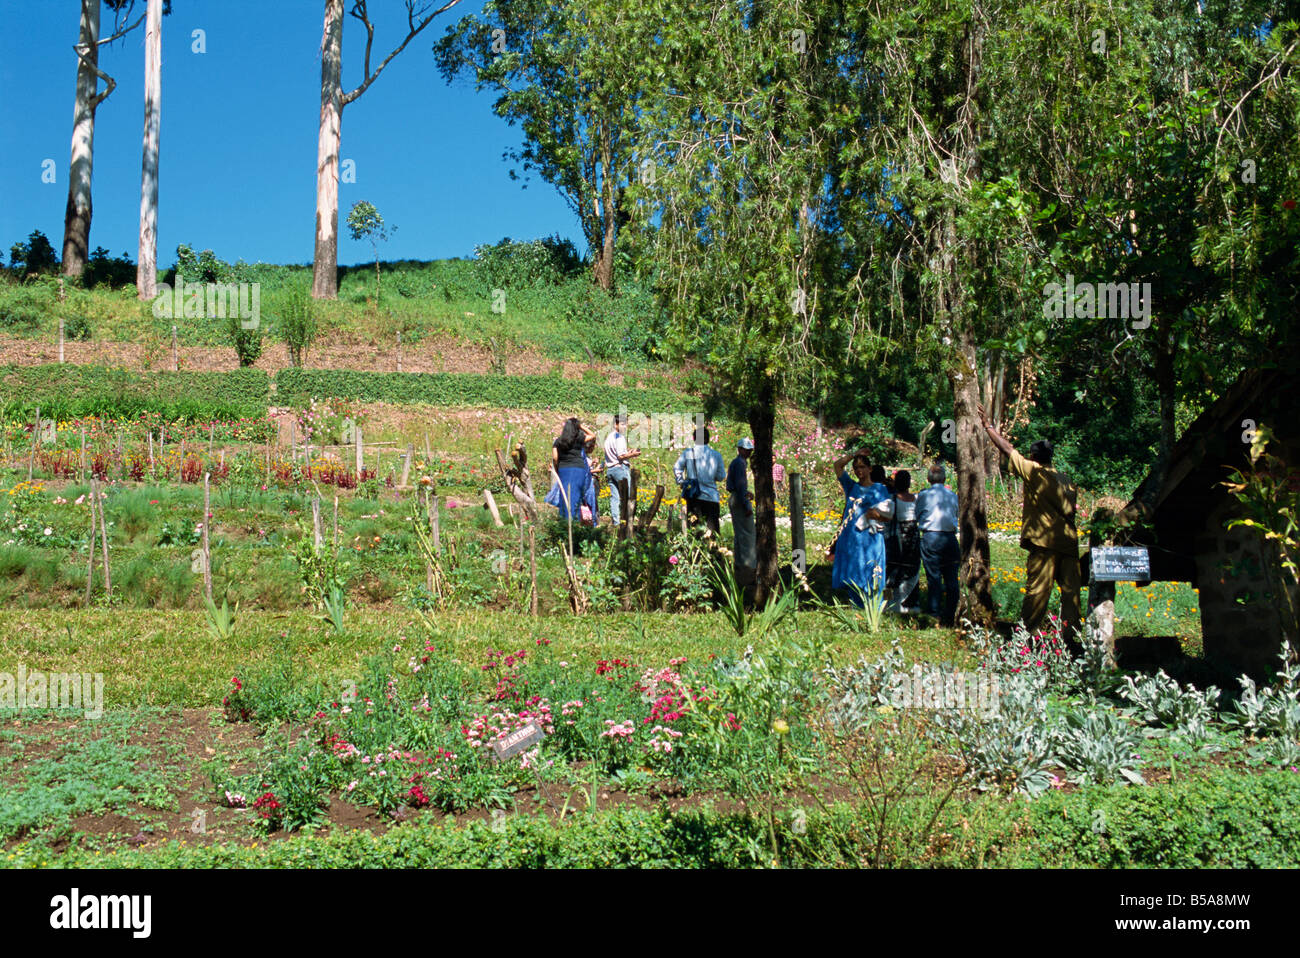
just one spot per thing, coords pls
(34, 256)
(569, 76)
(365, 223)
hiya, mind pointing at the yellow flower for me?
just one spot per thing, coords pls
(781, 727)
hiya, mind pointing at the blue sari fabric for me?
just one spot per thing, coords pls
(580, 488)
(859, 556)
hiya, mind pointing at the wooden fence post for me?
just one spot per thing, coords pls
(90, 550)
(492, 507)
(799, 555)
(103, 541)
(207, 554)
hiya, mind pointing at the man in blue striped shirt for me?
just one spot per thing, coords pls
(936, 519)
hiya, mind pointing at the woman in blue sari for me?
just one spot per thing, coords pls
(860, 546)
(570, 466)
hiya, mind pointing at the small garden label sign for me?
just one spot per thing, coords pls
(1121, 564)
(517, 741)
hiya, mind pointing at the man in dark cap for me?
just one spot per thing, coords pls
(1047, 532)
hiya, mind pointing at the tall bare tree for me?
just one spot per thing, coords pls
(325, 281)
(146, 272)
(76, 218)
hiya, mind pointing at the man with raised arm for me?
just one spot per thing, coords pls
(1047, 532)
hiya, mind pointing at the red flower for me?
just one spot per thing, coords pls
(1288, 204)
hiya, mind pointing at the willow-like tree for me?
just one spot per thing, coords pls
(740, 130)
(325, 277)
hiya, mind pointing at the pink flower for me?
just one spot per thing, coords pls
(673, 560)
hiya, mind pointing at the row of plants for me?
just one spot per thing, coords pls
(299, 386)
(66, 391)
(1256, 824)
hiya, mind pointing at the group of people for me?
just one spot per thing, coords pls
(885, 529)
(886, 533)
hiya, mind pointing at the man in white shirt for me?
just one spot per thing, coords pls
(936, 518)
(703, 467)
(616, 469)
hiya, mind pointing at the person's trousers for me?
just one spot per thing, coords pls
(614, 474)
(709, 512)
(1045, 568)
(941, 555)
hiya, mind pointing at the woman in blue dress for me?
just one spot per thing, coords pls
(860, 546)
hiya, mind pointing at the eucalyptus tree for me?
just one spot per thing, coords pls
(325, 280)
(146, 270)
(570, 76)
(77, 215)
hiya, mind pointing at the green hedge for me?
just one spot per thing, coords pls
(66, 391)
(294, 386)
(1225, 819)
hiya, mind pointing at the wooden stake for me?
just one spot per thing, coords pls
(81, 469)
(361, 456)
(103, 541)
(799, 557)
(532, 569)
(151, 469)
(406, 466)
(207, 554)
(336, 524)
(90, 550)
(399, 350)
(315, 523)
(492, 507)
(435, 525)
(175, 355)
(60, 327)
(36, 437)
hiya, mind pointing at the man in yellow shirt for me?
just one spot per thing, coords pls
(1047, 532)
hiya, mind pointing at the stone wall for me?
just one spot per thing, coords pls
(1242, 621)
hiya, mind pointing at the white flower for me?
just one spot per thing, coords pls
(49, 531)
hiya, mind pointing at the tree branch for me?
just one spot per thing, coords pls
(414, 30)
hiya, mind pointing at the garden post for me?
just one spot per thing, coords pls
(60, 327)
(315, 523)
(491, 502)
(207, 555)
(81, 471)
(435, 525)
(336, 525)
(103, 540)
(90, 543)
(361, 456)
(799, 555)
(151, 470)
(406, 466)
(532, 568)
(36, 435)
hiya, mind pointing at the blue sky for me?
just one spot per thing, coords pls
(239, 125)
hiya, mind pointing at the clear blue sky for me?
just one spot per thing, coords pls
(239, 125)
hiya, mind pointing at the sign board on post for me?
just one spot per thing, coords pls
(1121, 564)
(517, 741)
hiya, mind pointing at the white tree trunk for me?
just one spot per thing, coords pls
(325, 262)
(76, 218)
(146, 274)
